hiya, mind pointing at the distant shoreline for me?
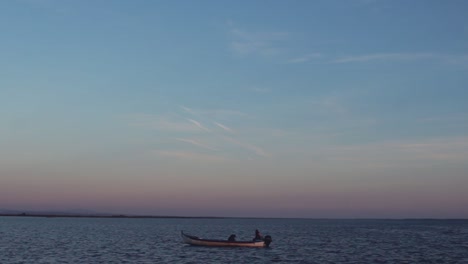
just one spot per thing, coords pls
(71, 215)
(105, 216)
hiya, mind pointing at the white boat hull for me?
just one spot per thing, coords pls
(196, 241)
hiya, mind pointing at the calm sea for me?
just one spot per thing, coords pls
(108, 240)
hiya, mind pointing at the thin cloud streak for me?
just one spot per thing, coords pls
(245, 43)
(262, 90)
(199, 125)
(257, 150)
(214, 113)
(401, 56)
(451, 150)
(191, 156)
(160, 123)
(192, 126)
(196, 143)
(224, 127)
(186, 109)
(460, 118)
(305, 58)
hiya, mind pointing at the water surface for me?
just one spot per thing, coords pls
(127, 240)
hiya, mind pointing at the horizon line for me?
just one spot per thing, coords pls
(105, 215)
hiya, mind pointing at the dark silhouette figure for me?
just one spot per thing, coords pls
(258, 236)
(232, 238)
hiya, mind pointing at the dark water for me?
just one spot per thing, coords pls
(101, 240)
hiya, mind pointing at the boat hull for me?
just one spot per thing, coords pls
(196, 241)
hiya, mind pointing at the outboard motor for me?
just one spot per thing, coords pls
(267, 239)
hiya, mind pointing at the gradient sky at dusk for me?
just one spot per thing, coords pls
(227, 108)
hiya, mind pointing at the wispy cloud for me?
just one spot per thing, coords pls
(186, 155)
(224, 127)
(186, 109)
(257, 150)
(199, 125)
(60, 7)
(330, 104)
(402, 56)
(190, 123)
(214, 113)
(164, 123)
(224, 114)
(457, 118)
(305, 58)
(260, 43)
(427, 151)
(261, 90)
(375, 57)
(195, 143)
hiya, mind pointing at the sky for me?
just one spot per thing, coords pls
(307, 109)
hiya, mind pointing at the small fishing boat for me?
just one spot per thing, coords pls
(196, 241)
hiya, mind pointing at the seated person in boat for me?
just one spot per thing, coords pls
(232, 238)
(258, 236)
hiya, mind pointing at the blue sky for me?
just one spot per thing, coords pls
(258, 108)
